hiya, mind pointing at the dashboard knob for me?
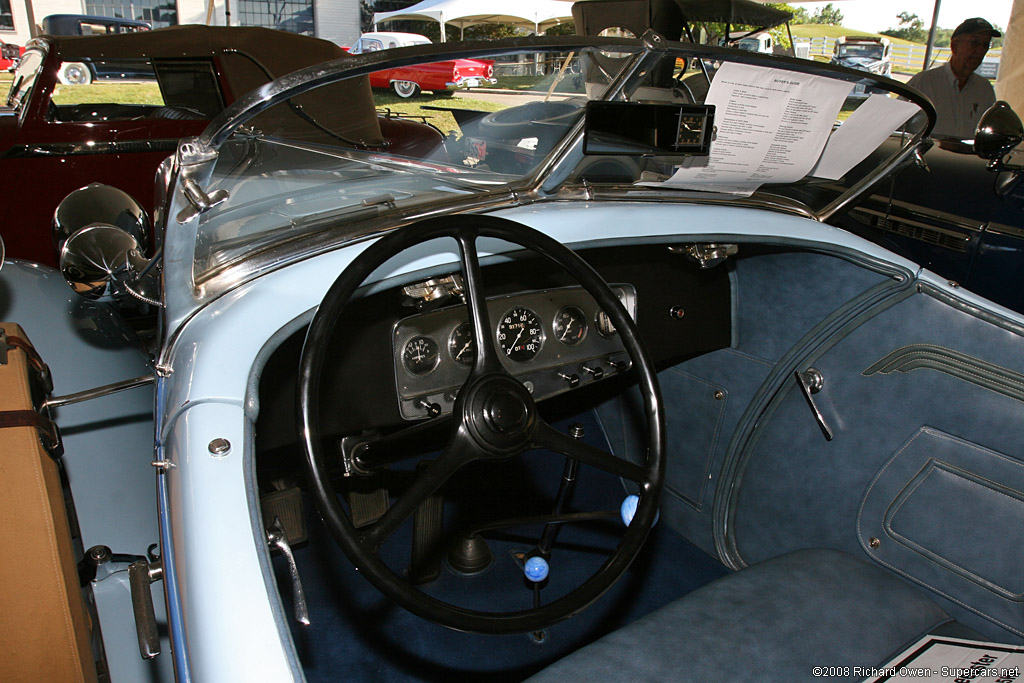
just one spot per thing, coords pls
(433, 409)
(572, 379)
(596, 373)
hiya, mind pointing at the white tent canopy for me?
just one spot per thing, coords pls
(536, 14)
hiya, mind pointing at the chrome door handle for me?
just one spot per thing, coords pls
(811, 381)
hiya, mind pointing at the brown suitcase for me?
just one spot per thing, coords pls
(45, 628)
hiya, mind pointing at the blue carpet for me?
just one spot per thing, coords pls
(357, 634)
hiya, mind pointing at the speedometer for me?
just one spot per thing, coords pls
(520, 334)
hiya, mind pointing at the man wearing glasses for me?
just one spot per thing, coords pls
(960, 96)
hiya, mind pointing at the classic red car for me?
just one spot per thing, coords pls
(56, 138)
(439, 77)
(10, 54)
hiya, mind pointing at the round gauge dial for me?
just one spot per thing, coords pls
(420, 355)
(461, 346)
(570, 326)
(604, 324)
(520, 334)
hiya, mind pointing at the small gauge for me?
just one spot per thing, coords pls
(420, 355)
(461, 346)
(604, 325)
(570, 326)
(520, 334)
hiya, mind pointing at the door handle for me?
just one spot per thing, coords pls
(811, 381)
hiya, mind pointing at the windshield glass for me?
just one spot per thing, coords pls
(869, 51)
(25, 77)
(488, 127)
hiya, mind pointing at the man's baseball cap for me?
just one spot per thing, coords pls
(976, 25)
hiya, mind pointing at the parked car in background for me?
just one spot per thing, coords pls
(72, 135)
(955, 216)
(866, 53)
(418, 417)
(10, 55)
(442, 78)
(760, 41)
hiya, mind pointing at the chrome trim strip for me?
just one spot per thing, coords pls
(1003, 229)
(64, 149)
(175, 613)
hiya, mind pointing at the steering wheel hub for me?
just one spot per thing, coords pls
(499, 414)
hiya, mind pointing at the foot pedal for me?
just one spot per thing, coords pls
(367, 506)
(286, 506)
(427, 553)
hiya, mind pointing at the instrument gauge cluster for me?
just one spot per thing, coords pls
(551, 340)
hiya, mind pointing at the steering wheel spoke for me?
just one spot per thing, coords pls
(375, 454)
(426, 482)
(550, 438)
(487, 359)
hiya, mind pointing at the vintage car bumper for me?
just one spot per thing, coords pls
(470, 82)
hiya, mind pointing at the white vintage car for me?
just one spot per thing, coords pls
(586, 390)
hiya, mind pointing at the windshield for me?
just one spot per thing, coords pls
(400, 139)
(867, 51)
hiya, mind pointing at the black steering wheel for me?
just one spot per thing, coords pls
(494, 417)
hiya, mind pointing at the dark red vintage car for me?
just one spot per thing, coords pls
(438, 77)
(57, 138)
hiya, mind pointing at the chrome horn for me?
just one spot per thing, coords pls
(99, 232)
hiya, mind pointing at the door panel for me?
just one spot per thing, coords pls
(924, 472)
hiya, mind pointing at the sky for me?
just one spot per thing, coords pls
(875, 15)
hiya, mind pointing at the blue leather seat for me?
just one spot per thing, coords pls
(774, 621)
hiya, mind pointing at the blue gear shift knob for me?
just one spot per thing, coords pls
(536, 569)
(628, 509)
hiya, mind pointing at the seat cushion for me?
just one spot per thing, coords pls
(776, 620)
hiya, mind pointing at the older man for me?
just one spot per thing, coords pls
(960, 96)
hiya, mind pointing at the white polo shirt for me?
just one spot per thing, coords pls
(956, 111)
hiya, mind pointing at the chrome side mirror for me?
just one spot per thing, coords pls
(999, 132)
(97, 203)
(99, 232)
(102, 262)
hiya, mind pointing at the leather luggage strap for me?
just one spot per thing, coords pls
(10, 341)
(30, 418)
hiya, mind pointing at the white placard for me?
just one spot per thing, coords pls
(771, 127)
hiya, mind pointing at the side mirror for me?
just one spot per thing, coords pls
(102, 262)
(999, 132)
(99, 232)
(97, 203)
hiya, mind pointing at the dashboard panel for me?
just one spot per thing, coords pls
(551, 340)
(680, 308)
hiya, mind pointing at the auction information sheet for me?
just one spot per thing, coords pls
(771, 127)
